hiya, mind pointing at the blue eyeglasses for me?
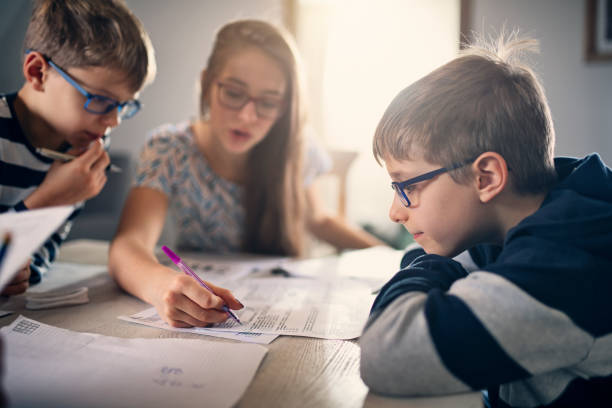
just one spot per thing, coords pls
(99, 104)
(404, 188)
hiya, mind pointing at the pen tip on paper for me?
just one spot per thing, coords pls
(233, 316)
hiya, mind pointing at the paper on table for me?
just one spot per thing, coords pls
(29, 229)
(62, 274)
(299, 307)
(149, 317)
(328, 309)
(49, 366)
(221, 269)
(374, 266)
(378, 263)
(57, 298)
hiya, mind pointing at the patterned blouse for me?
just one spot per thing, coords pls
(206, 210)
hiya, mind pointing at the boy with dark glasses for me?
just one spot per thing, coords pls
(508, 286)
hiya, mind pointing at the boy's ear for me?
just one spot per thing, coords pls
(35, 70)
(491, 175)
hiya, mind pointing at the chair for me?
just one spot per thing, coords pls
(333, 189)
(341, 163)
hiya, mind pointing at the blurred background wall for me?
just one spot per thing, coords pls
(579, 91)
(358, 54)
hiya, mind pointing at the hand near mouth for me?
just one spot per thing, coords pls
(74, 181)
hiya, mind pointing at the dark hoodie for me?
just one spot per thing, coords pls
(530, 320)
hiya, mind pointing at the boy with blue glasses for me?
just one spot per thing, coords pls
(84, 64)
(508, 289)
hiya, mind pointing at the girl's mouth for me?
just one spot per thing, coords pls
(240, 136)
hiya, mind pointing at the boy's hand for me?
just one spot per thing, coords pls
(20, 282)
(74, 181)
(184, 303)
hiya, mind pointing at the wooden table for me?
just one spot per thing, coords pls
(296, 372)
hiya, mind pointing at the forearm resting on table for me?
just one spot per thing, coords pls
(340, 233)
(135, 268)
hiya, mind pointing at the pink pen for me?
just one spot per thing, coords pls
(183, 267)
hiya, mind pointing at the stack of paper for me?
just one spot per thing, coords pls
(56, 298)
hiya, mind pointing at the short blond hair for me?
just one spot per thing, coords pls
(100, 33)
(486, 99)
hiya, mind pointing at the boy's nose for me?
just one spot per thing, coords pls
(112, 118)
(398, 212)
(248, 113)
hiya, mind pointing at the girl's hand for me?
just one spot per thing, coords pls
(184, 303)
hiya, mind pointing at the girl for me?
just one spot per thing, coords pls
(235, 178)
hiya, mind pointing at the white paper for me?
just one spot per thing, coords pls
(374, 266)
(29, 230)
(57, 298)
(297, 307)
(221, 269)
(62, 274)
(71, 369)
(327, 309)
(377, 264)
(326, 298)
(149, 317)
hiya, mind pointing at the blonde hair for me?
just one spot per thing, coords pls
(486, 99)
(100, 33)
(274, 196)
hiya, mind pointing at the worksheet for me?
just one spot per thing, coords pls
(328, 309)
(149, 317)
(72, 369)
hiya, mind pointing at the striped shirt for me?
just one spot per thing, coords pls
(528, 320)
(22, 170)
